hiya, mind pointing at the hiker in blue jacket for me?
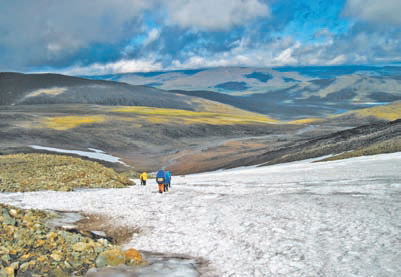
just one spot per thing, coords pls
(161, 180)
(167, 183)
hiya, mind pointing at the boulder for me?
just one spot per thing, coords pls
(111, 257)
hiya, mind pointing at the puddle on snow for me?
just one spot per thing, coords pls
(159, 265)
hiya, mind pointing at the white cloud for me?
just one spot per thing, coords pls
(274, 53)
(383, 11)
(340, 59)
(53, 30)
(286, 56)
(153, 35)
(215, 14)
(122, 66)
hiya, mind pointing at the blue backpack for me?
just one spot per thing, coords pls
(168, 177)
(160, 176)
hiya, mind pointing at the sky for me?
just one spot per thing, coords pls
(97, 37)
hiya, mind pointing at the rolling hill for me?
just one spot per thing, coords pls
(194, 131)
(28, 89)
(286, 93)
(144, 126)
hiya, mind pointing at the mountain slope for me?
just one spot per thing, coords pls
(375, 138)
(22, 89)
(285, 93)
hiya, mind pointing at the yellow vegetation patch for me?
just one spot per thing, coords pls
(304, 121)
(68, 122)
(388, 112)
(162, 115)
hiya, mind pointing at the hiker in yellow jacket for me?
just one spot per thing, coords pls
(143, 177)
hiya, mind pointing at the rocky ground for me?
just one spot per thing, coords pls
(30, 248)
(29, 244)
(31, 172)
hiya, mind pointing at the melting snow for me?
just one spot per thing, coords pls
(338, 218)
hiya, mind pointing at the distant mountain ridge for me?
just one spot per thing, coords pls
(316, 98)
(284, 92)
(23, 89)
(231, 80)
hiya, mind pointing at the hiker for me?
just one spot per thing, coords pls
(161, 179)
(143, 177)
(167, 182)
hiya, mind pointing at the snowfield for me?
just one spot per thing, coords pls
(340, 218)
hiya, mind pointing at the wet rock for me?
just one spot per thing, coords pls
(157, 265)
(111, 257)
(133, 257)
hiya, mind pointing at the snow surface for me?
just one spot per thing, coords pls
(95, 154)
(339, 218)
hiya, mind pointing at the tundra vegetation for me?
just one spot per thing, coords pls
(388, 112)
(32, 172)
(388, 146)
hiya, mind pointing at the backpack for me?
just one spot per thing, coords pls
(160, 177)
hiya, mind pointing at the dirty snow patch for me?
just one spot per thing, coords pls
(94, 154)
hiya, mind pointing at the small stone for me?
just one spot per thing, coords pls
(13, 212)
(57, 257)
(80, 246)
(5, 258)
(7, 219)
(10, 271)
(67, 265)
(4, 250)
(133, 256)
(52, 235)
(111, 257)
(24, 267)
(41, 259)
(40, 243)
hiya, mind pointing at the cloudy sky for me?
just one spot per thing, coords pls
(114, 36)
